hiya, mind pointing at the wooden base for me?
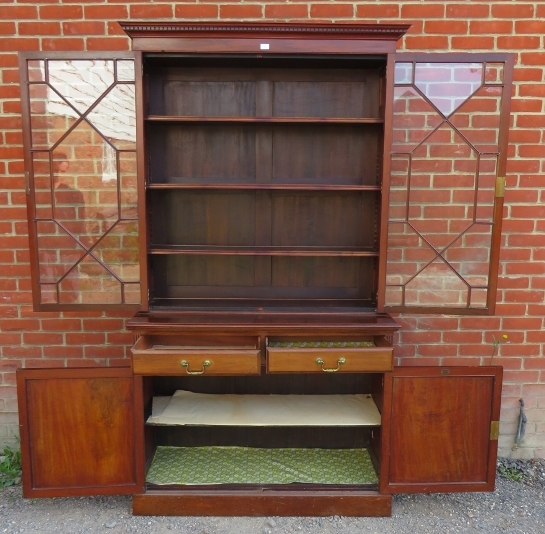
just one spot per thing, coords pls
(260, 503)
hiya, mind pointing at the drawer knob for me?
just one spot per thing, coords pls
(205, 364)
(340, 361)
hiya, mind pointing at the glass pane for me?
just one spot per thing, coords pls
(43, 199)
(413, 119)
(493, 73)
(486, 188)
(89, 283)
(118, 250)
(448, 85)
(84, 203)
(50, 116)
(436, 285)
(48, 293)
(57, 251)
(115, 117)
(399, 187)
(128, 193)
(478, 298)
(403, 73)
(449, 164)
(36, 70)
(125, 70)
(131, 293)
(478, 119)
(81, 82)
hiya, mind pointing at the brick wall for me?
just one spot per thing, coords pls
(74, 339)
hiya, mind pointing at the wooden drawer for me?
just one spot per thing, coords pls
(341, 357)
(172, 355)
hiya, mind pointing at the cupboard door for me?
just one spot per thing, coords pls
(444, 182)
(80, 139)
(444, 429)
(79, 432)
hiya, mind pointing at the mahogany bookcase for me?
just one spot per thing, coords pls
(263, 195)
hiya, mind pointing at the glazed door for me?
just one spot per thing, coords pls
(80, 136)
(80, 431)
(443, 430)
(447, 118)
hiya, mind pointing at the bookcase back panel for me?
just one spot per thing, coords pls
(262, 277)
(328, 154)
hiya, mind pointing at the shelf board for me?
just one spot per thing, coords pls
(288, 120)
(269, 186)
(205, 409)
(261, 251)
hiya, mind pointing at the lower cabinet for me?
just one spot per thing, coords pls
(298, 442)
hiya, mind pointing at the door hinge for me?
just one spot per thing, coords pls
(500, 186)
(494, 430)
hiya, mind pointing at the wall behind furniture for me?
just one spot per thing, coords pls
(31, 339)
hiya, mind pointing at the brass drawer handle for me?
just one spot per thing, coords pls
(340, 361)
(205, 364)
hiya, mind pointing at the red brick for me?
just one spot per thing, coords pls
(441, 350)
(425, 42)
(41, 338)
(516, 10)
(473, 43)
(39, 28)
(445, 27)
(63, 12)
(7, 28)
(89, 27)
(9, 60)
(421, 337)
(521, 323)
(467, 11)
(22, 352)
(18, 12)
(61, 325)
(63, 43)
(85, 338)
(377, 11)
(152, 11)
(528, 74)
(62, 351)
(9, 91)
(534, 363)
(19, 43)
(106, 12)
(530, 26)
(518, 42)
(114, 28)
(489, 27)
(286, 11)
(524, 377)
(189, 11)
(104, 351)
(524, 105)
(91, 325)
(331, 11)
(475, 361)
(108, 43)
(423, 11)
(243, 11)
(462, 337)
(44, 363)
(532, 58)
(421, 362)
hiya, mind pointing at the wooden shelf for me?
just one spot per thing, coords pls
(295, 120)
(265, 187)
(261, 251)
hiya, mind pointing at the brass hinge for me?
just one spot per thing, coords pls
(500, 186)
(494, 430)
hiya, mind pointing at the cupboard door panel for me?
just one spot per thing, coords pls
(445, 170)
(78, 432)
(80, 136)
(440, 434)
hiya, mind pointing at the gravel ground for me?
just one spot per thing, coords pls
(516, 507)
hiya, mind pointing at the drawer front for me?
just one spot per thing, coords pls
(197, 362)
(341, 360)
(195, 356)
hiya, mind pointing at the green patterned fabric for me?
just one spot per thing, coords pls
(245, 465)
(320, 344)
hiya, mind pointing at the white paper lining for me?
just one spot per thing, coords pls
(187, 408)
